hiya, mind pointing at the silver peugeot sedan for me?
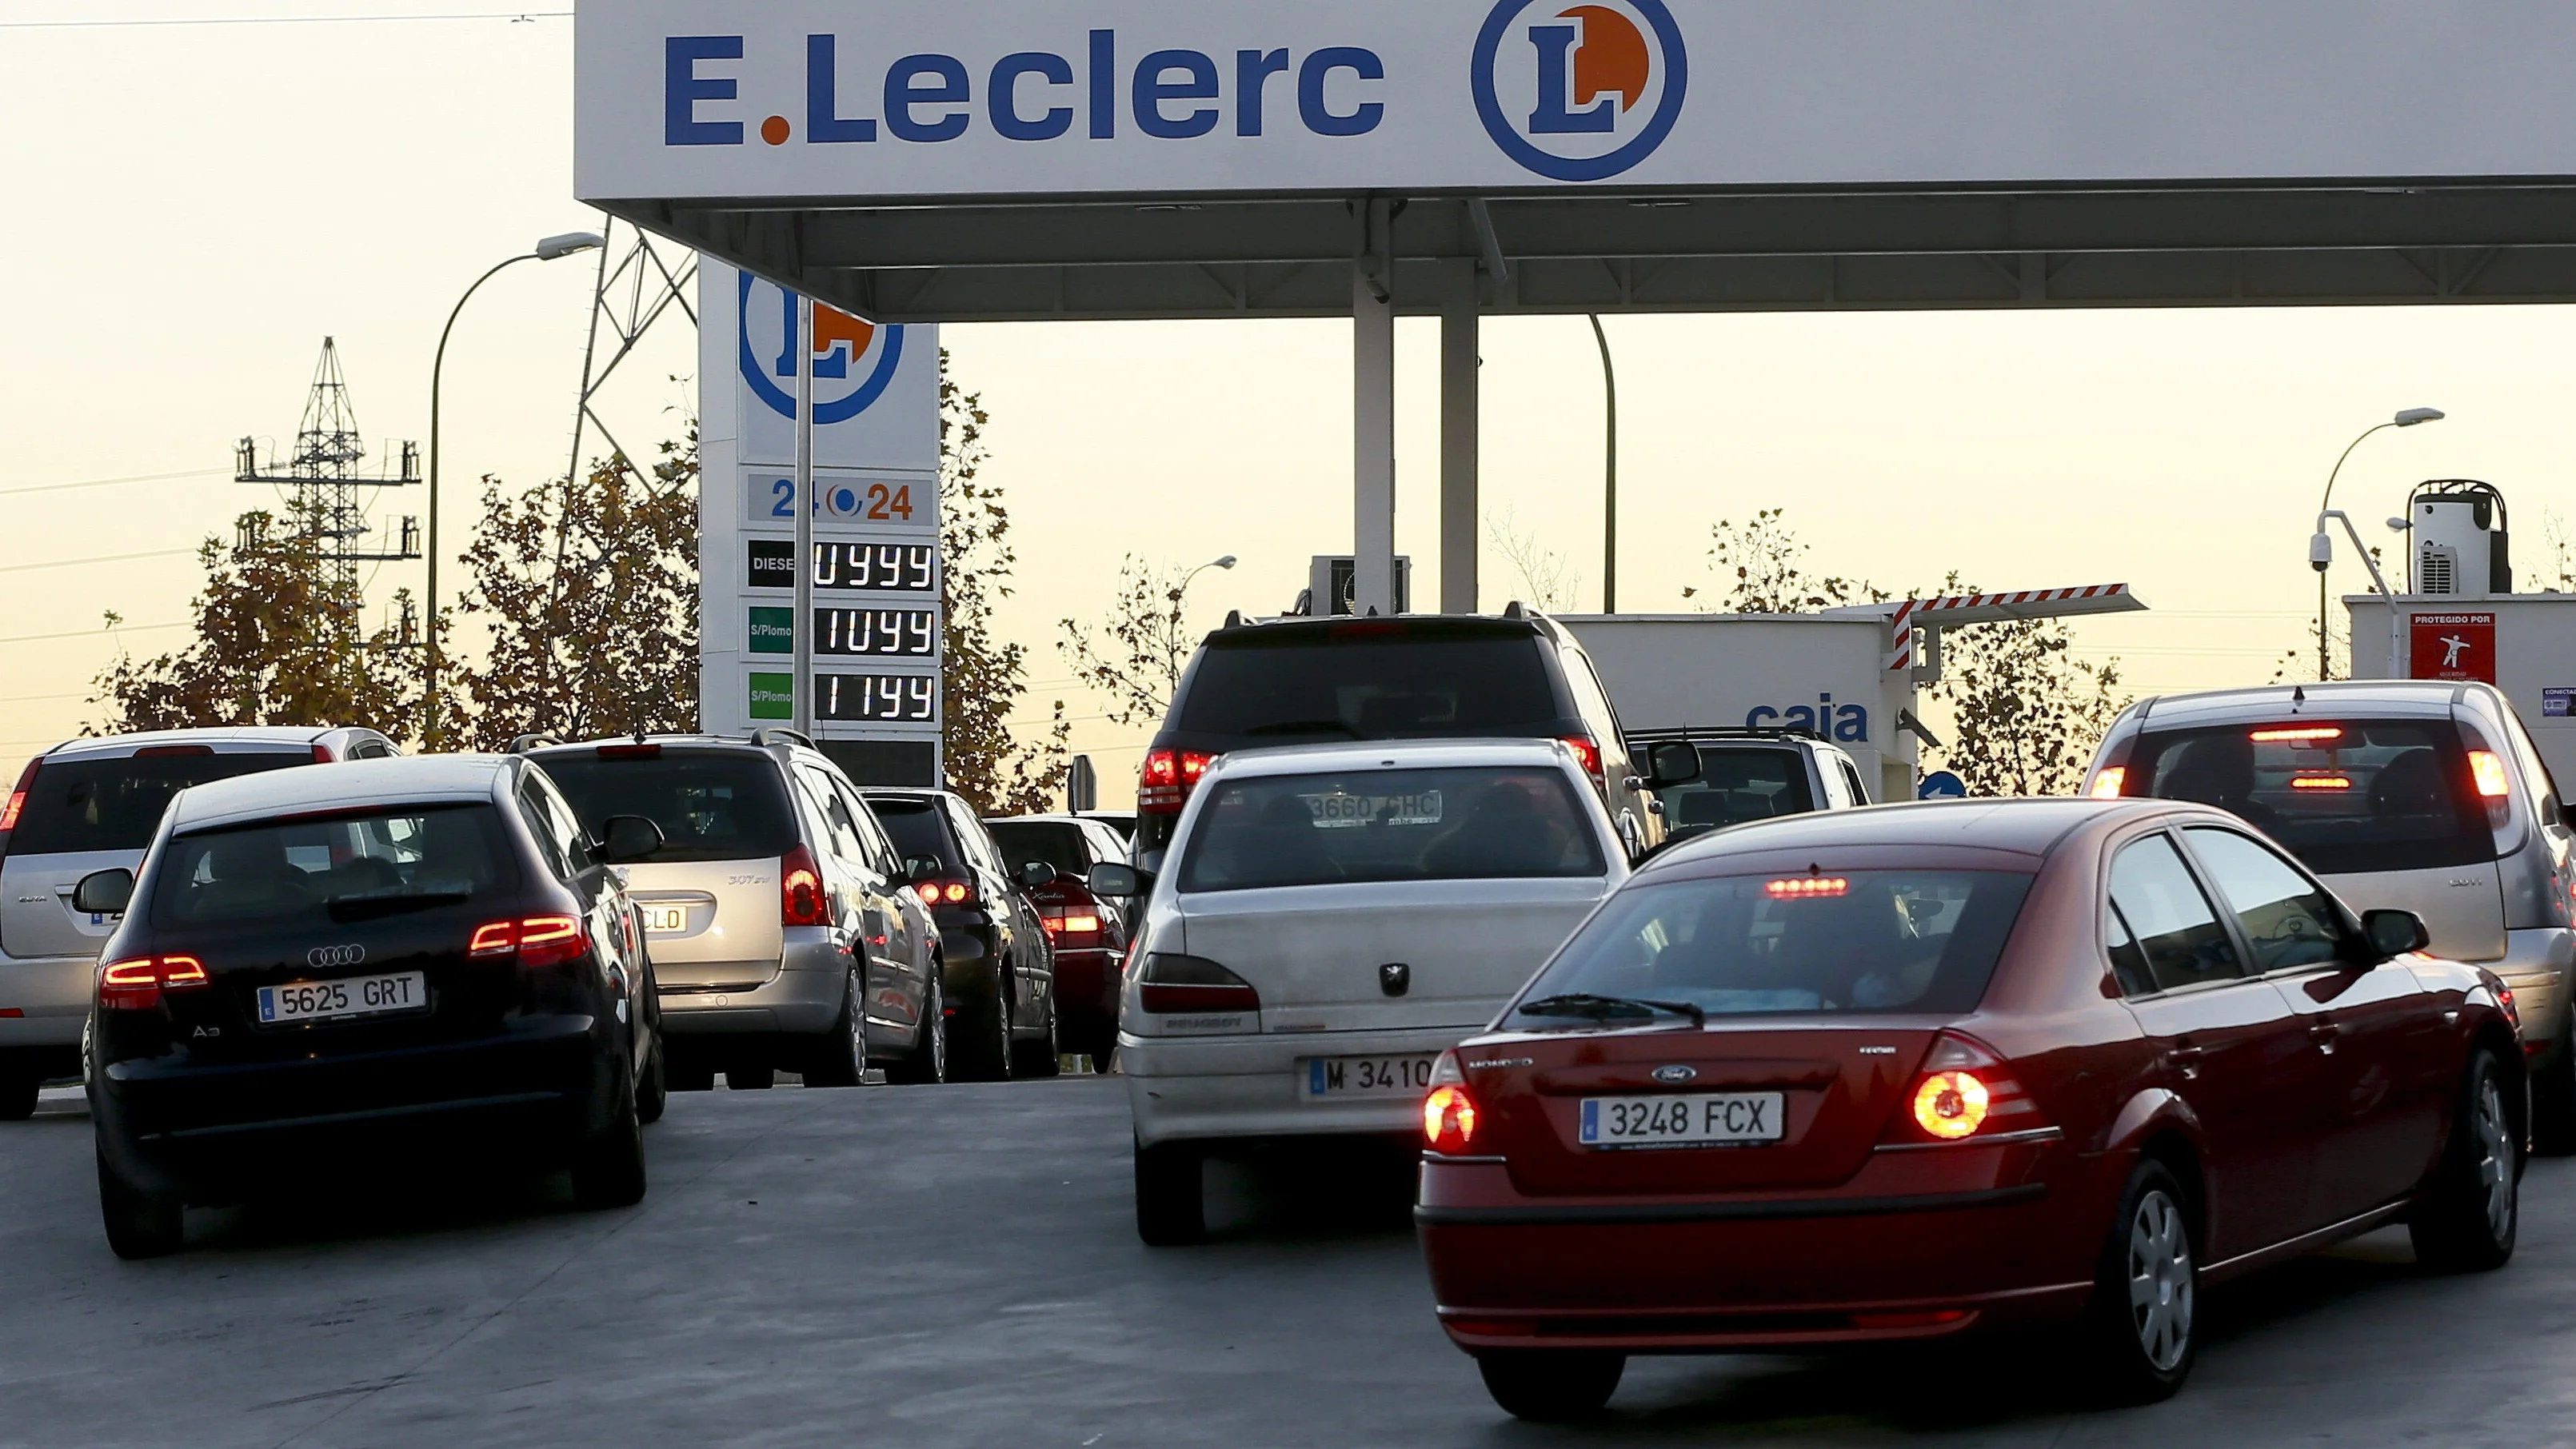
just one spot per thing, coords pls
(784, 930)
(1329, 919)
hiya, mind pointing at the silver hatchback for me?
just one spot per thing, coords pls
(782, 926)
(2416, 795)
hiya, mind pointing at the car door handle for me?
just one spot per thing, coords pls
(2185, 1058)
(2324, 1033)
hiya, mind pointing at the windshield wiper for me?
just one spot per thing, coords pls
(1305, 727)
(1604, 1008)
(367, 905)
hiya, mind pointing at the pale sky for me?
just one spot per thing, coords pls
(193, 208)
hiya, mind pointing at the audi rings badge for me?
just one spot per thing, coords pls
(324, 957)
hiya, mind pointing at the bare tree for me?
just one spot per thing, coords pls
(1761, 568)
(1549, 580)
(1136, 656)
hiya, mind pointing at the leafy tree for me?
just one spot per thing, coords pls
(590, 593)
(985, 676)
(280, 641)
(1142, 647)
(2026, 713)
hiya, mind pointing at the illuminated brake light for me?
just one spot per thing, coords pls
(16, 803)
(1164, 782)
(2108, 784)
(137, 984)
(928, 891)
(1951, 1105)
(1807, 887)
(2301, 735)
(800, 889)
(536, 940)
(1588, 753)
(2321, 782)
(1449, 1120)
(1071, 929)
(2488, 770)
(957, 893)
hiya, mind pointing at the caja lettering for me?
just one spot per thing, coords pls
(1844, 724)
(1030, 95)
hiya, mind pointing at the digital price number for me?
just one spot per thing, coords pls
(877, 633)
(878, 698)
(876, 568)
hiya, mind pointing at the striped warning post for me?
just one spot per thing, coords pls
(1994, 608)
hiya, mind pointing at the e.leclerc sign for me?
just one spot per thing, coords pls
(681, 99)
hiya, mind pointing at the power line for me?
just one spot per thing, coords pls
(94, 633)
(104, 482)
(41, 698)
(513, 16)
(64, 563)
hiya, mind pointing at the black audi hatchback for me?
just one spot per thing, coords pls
(319, 970)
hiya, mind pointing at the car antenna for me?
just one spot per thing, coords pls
(2298, 696)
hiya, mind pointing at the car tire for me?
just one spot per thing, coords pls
(750, 1079)
(1551, 1386)
(1171, 1200)
(653, 1091)
(2472, 1207)
(927, 1065)
(141, 1221)
(608, 1170)
(2141, 1330)
(1040, 1058)
(986, 1056)
(2553, 1095)
(18, 1092)
(840, 1057)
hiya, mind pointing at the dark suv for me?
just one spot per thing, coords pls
(998, 968)
(1419, 676)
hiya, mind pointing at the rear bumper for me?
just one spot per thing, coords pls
(2537, 964)
(541, 1085)
(1212, 1088)
(50, 997)
(1908, 1249)
(802, 999)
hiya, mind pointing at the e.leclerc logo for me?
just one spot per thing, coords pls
(853, 360)
(1582, 92)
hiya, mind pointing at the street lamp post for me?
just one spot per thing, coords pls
(1226, 562)
(2321, 548)
(1609, 475)
(553, 248)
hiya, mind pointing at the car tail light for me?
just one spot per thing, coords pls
(946, 892)
(137, 984)
(1963, 1091)
(1071, 927)
(16, 805)
(1171, 982)
(2108, 784)
(2314, 737)
(1587, 751)
(2321, 782)
(2487, 768)
(800, 889)
(322, 755)
(1449, 1112)
(1164, 783)
(535, 940)
(1807, 887)
(172, 752)
(630, 752)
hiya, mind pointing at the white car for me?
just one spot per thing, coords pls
(1328, 920)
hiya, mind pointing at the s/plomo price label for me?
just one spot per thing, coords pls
(877, 698)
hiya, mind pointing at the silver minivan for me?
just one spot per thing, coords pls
(92, 805)
(783, 926)
(2418, 795)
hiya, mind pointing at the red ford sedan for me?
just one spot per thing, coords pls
(1907, 1073)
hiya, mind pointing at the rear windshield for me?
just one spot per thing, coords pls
(1370, 685)
(1056, 843)
(78, 805)
(917, 830)
(710, 807)
(1736, 785)
(1862, 941)
(346, 869)
(2344, 795)
(1377, 825)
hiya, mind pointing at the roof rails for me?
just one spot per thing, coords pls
(1727, 732)
(525, 743)
(777, 735)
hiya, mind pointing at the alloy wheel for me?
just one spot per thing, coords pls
(2495, 1159)
(2160, 1280)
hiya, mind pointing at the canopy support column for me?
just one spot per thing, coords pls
(1373, 413)
(1458, 436)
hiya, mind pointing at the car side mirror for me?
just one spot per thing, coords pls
(625, 839)
(1036, 873)
(1672, 763)
(2395, 933)
(104, 893)
(922, 868)
(1120, 882)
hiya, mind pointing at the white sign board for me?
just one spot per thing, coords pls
(709, 99)
(877, 620)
